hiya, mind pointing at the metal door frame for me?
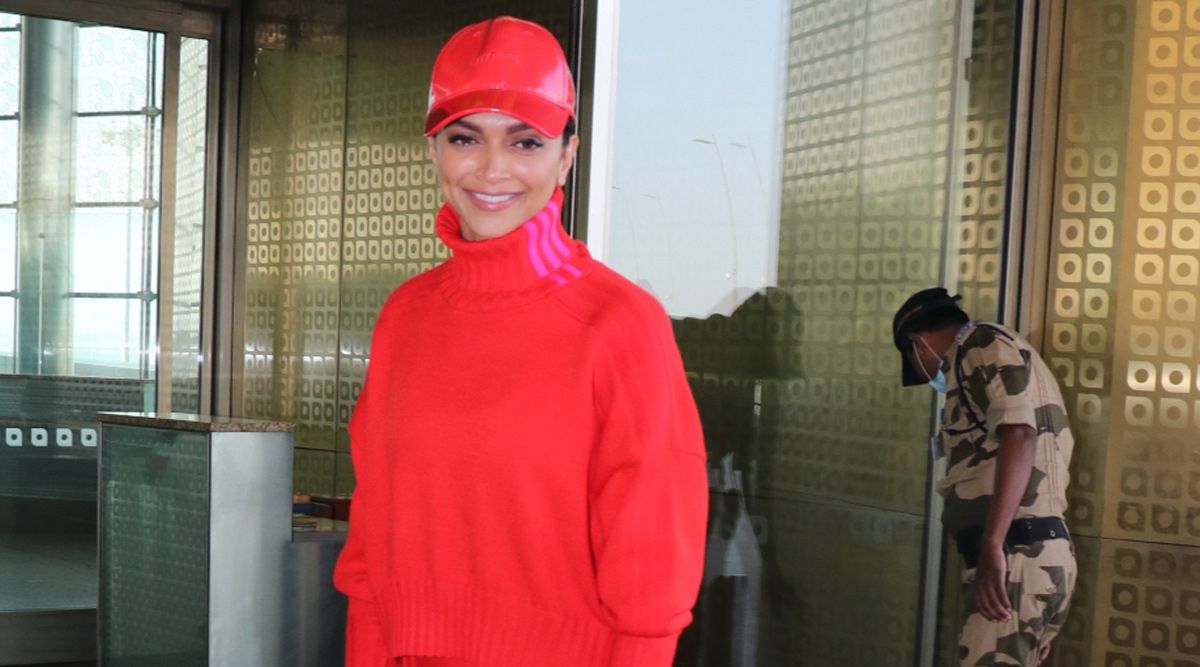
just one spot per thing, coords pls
(64, 635)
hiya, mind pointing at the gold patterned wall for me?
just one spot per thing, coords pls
(297, 138)
(1122, 323)
(342, 200)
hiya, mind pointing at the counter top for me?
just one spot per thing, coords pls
(182, 421)
(319, 530)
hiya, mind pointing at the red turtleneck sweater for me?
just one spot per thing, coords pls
(530, 466)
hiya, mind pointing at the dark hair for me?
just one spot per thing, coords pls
(568, 132)
(935, 320)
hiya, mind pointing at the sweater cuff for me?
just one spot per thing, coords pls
(633, 651)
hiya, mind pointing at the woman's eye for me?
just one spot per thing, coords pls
(529, 144)
(461, 139)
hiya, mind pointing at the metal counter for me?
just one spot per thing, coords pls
(197, 560)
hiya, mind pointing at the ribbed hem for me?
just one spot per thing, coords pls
(365, 646)
(421, 618)
(631, 651)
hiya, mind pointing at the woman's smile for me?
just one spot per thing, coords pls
(493, 201)
(497, 172)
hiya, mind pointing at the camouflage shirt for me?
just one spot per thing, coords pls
(994, 378)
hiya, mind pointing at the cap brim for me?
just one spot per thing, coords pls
(533, 110)
(909, 376)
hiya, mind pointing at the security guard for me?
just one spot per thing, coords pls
(1004, 431)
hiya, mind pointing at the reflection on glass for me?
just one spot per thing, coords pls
(191, 161)
(8, 306)
(837, 122)
(114, 66)
(108, 335)
(8, 251)
(79, 238)
(8, 168)
(10, 65)
(156, 513)
(108, 249)
(110, 159)
(696, 178)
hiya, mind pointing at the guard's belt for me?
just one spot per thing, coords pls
(1022, 533)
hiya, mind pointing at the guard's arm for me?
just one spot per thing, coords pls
(1014, 465)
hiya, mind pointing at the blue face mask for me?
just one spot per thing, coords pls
(939, 382)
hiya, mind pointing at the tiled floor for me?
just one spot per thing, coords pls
(47, 571)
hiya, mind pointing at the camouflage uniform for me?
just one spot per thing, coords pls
(1000, 379)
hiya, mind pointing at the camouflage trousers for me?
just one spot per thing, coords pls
(1041, 578)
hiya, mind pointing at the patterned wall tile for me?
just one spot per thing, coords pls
(342, 198)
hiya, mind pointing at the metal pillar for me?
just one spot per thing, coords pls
(46, 188)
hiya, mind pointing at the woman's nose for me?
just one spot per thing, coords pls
(495, 164)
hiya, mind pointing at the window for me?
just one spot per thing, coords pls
(80, 198)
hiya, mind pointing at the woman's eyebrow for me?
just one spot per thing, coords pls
(514, 128)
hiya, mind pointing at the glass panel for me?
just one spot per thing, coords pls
(110, 159)
(113, 68)
(8, 250)
(109, 335)
(8, 333)
(8, 167)
(109, 248)
(722, 170)
(48, 554)
(191, 161)
(314, 471)
(65, 358)
(984, 173)
(156, 95)
(782, 226)
(155, 479)
(10, 70)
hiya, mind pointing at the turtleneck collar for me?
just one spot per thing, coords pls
(534, 257)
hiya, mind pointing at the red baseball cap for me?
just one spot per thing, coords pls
(502, 65)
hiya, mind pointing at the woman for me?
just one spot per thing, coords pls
(531, 477)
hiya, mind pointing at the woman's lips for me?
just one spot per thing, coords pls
(492, 201)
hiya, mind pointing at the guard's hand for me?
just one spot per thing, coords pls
(991, 596)
(1043, 653)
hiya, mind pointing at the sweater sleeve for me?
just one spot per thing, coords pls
(648, 492)
(365, 643)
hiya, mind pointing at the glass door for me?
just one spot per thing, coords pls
(105, 193)
(838, 157)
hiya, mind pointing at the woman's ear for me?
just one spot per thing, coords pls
(568, 159)
(432, 144)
